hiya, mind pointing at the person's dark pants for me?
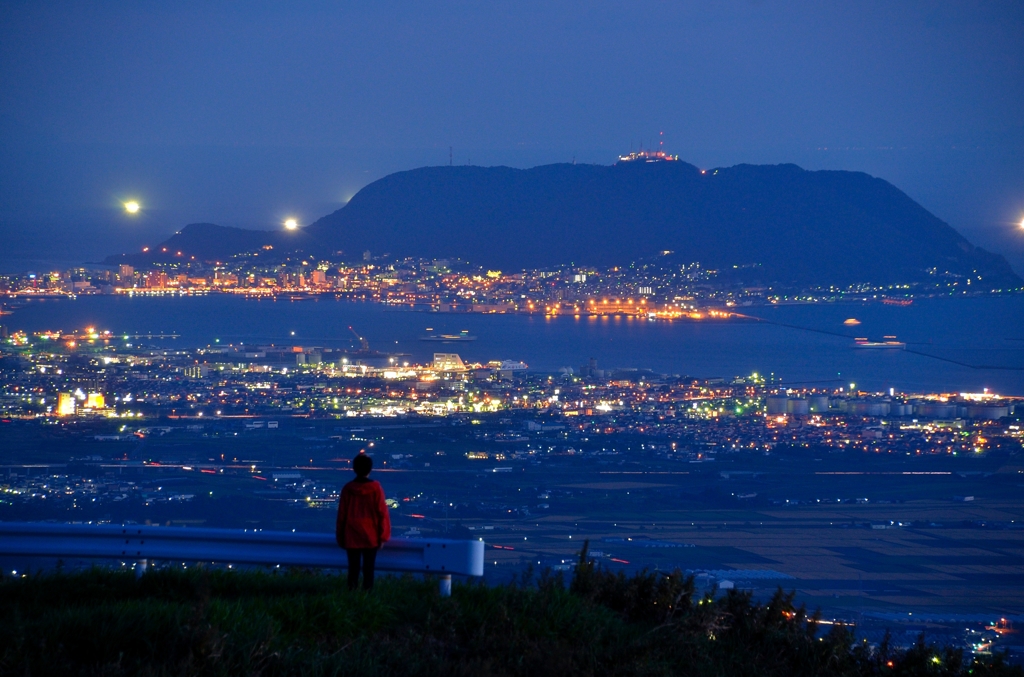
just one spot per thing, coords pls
(363, 558)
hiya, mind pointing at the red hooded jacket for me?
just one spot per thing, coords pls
(363, 520)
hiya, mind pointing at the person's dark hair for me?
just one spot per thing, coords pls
(362, 464)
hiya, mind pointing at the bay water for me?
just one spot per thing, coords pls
(953, 344)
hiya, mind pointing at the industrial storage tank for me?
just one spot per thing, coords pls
(798, 406)
(935, 409)
(818, 404)
(878, 409)
(777, 405)
(867, 407)
(901, 409)
(988, 412)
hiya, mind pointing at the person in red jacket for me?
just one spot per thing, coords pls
(363, 524)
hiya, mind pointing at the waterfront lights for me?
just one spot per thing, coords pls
(132, 207)
(291, 224)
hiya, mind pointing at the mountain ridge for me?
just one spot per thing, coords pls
(789, 225)
(208, 242)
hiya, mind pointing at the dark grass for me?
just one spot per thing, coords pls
(216, 622)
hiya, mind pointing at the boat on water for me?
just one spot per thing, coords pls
(890, 301)
(461, 337)
(887, 342)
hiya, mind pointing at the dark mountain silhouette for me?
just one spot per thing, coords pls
(208, 242)
(776, 223)
(798, 226)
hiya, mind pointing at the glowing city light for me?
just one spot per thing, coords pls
(131, 207)
(291, 224)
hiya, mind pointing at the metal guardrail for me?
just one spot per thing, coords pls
(231, 546)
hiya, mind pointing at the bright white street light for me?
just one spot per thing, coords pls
(131, 207)
(291, 224)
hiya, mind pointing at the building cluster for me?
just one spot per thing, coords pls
(77, 491)
(103, 486)
(654, 288)
(49, 375)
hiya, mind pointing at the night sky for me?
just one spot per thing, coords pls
(246, 113)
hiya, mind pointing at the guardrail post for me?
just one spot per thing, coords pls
(140, 567)
(446, 585)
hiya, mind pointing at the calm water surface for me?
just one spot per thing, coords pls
(985, 335)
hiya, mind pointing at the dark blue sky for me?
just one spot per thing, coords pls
(244, 113)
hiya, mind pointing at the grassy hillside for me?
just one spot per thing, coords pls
(200, 622)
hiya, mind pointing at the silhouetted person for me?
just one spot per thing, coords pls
(363, 522)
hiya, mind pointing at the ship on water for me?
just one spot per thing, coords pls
(887, 342)
(896, 301)
(461, 337)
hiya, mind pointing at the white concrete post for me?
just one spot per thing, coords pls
(446, 585)
(140, 567)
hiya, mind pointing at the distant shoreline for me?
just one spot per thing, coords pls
(721, 311)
